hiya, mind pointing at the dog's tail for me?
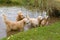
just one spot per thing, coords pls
(4, 17)
(27, 16)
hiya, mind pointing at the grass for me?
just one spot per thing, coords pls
(51, 32)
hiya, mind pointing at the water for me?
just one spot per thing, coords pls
(11, 13)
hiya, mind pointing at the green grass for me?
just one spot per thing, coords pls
(51, 32)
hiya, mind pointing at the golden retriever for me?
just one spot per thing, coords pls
(35, 21)
(40, 18)
(39, 21)
(20, 16)
(14, 25)
(44, 21)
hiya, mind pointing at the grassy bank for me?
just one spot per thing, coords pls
(51, 32)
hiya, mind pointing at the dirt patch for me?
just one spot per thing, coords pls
(53, 20)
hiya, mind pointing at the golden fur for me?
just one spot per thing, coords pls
(38, 21)
(40, 18)
(44, 21)
(14, 25)
(35, 21)
(20, 16)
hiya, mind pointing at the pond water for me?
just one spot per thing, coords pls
(11, 13)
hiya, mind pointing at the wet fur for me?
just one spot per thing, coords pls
(14, 25)
(35, 21)
(44, 21)
(20, 16)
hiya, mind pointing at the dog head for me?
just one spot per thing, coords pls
(40, 18)
(20, 16)
(45, 20)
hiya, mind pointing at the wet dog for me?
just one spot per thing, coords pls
(14, 25)
(35, 21)
(40, 18)
(45, 21)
